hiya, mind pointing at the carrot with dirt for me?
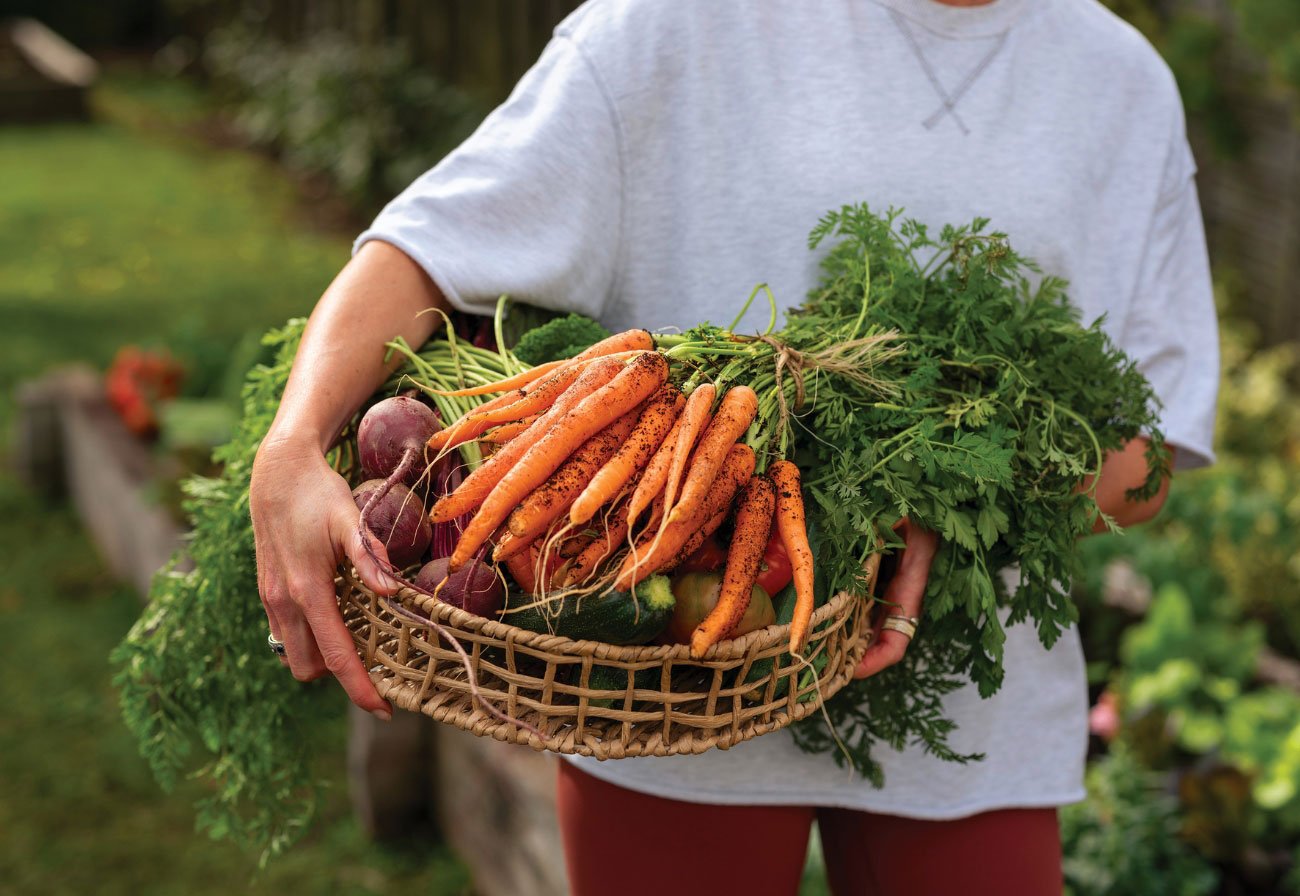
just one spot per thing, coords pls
(697, 538)
(478, 484)
(603, 546)
(794, 535)
(657, 549)
(510, 383)
(736, 412)
(552, 498)
(620, 345)
(499, 435)
(653, 426)
(695, 417)
(633, 385)
(655, 474)
(532, 399)
(627, 341)
(748, 541)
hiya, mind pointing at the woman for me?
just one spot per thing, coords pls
(658, 161)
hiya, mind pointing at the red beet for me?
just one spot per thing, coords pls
(475, 587)
(397, 518)
(392, 429)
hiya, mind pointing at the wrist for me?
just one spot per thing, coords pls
(297, 440)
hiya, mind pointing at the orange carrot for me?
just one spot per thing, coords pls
(656, 550)
(575, 545)
(633, 385)
(508, 545)
(654, 518)
(536, 398)
(602, 546)
(620, 346)
(794, 535)
(552, 498)
(655, 422)
(498, 435)
(478, 484)
(518, 381)
(521, 569)
(532, 399)
(697, 538)
(736, 411)
(655, 474)
(748, 541)
(439, 440)
(627, 341)
(695, 417)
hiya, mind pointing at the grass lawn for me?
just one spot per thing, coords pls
(118, 232)
(114, 233)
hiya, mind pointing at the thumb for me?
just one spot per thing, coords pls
(367, 553)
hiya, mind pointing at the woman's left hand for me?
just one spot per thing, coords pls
(903, 596)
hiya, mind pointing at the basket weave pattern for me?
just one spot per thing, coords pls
(740, 689)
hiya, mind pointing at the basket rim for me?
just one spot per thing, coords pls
(456, 618)
(669, 719)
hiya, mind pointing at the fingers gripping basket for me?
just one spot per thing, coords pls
(740, 689)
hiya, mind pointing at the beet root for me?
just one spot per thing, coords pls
(397, 519)
(475, 587)
(388, 431)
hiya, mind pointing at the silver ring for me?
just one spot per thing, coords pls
(904, 625)
(277, 647)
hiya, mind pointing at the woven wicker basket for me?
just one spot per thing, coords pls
(740, 689)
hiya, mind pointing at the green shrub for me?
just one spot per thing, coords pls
(1223, 567)
(1125, 838)
(365, 116)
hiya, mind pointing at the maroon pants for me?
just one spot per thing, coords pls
(620, 841)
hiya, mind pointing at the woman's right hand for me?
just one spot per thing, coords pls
(304, 524)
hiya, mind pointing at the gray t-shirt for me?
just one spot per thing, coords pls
(662, 158)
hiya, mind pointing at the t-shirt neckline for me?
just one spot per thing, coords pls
(961, 22)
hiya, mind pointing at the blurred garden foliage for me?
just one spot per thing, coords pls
(367, 116)
(131, 230)
(1192, 627)
(1196, 39)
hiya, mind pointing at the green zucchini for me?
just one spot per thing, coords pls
(607, 678)
(617, 618)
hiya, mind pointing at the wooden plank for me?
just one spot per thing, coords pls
(390, 772)
(111, 480)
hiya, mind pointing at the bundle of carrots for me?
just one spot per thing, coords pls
(603, 471)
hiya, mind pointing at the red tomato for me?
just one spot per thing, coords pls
(709, 556)
(775, 572)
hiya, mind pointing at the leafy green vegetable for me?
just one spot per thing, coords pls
(562, 337)
(1005, 404)
(199, 688)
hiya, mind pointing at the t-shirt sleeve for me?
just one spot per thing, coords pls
(1172, 331)
(530, 205)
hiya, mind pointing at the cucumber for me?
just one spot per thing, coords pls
(617, 618)
(607, 678)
